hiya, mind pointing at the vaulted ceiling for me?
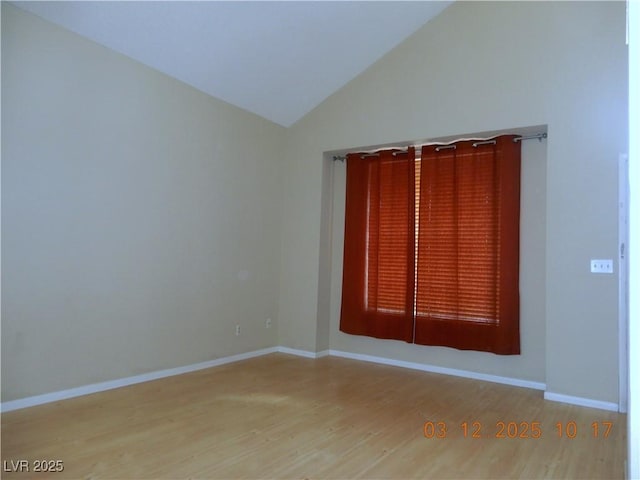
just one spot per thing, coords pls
(278, 60)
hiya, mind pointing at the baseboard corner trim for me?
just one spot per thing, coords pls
(581, 401)
(515, 382)
(302, 353)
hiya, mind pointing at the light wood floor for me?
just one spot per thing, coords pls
(280, 416)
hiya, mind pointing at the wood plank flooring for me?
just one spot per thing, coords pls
(280, 416)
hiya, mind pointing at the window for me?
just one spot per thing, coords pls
(431, 245)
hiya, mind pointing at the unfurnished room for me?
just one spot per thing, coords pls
(309, 239)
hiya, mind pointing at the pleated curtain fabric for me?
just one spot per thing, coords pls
(431, 251)
(378, 271)
(467, 292)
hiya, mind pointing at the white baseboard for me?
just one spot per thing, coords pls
(516, 382)
(581, 401)
(123, 382)
(303, 353)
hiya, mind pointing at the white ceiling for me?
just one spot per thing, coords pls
(276, 59)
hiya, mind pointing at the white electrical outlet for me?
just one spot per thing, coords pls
(237, 330)
(602, 266)
(267, 323)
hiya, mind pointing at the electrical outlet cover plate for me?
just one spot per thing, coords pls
(601, 266)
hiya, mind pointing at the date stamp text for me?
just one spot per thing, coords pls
(476, 429)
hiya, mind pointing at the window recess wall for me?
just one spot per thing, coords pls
(530, 365)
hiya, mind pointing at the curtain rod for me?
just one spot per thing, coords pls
(480, 141)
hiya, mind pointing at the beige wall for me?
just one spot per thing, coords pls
(140, 217)
(479, 67)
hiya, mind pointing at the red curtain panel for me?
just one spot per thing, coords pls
(378, 272)
(467, 293)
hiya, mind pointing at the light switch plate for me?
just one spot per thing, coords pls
(602, 266)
